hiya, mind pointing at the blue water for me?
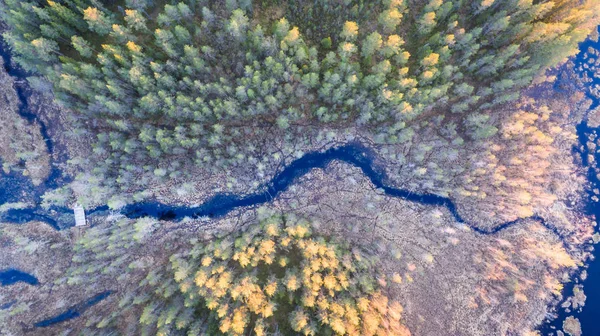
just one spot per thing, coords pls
(591, 286)
(590, 313)
(13, 276)
(14, 186)
(7, 305)
(23, 92)
(222, 204)
(353, 153)
(74, 311)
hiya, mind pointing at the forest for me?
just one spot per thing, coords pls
(452, 96)
(165, 87)
(272, 277)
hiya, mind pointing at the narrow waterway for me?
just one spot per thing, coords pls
(14, 187)
(354, 154)
(222, 204)
(74, 311)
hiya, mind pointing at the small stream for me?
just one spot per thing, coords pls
(220, 205)
(354, 154)
(73, 311)
(14, 187)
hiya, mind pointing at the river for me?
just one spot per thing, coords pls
(588, 316)
(222, 204)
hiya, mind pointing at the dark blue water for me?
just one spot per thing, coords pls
(13, 276)
(354, 154)
(73, 311)
(23, 92)
(588, 317)
(590, 313)
(15, 187)
(7, 305)
(222, 204)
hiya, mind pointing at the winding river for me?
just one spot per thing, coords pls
(218, 206)
(221, 204)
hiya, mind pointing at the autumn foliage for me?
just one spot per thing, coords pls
(277, 276)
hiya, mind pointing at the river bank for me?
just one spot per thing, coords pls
(356, 155)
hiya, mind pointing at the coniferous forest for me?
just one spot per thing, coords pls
(166, 84)
(470, 103)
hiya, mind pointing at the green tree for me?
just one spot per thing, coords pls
(97, 20)
(82, 46)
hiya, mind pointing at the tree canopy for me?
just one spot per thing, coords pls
(272, 276)
(168, 83)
